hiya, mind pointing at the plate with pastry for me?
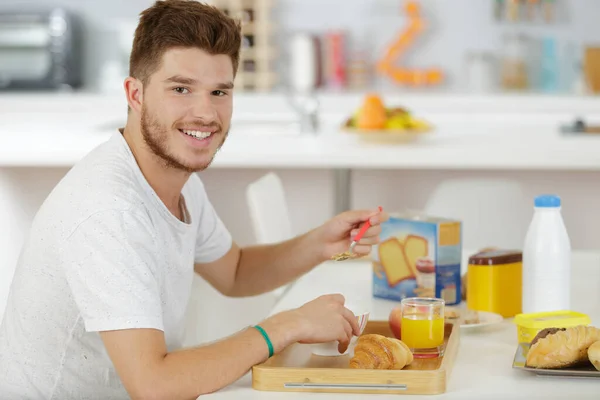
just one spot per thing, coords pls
(573, 351)
(471, 319)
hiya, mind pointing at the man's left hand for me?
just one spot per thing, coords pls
(337, 234)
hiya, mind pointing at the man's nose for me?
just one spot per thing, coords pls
(204, 109)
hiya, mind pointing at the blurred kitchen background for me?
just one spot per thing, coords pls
(512, 88)
(489, 45)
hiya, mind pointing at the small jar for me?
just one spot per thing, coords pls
(494, 282)
(515, 61)
(426, 275)
(481, 73)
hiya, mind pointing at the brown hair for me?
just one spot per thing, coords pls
(181, 23)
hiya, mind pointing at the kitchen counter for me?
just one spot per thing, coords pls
(484, 363)
(449, 147)
(502, 132)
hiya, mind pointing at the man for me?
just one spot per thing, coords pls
(96, 308)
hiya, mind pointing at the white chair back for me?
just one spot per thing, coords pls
(269, 214)
(268, 210)
(494, 212)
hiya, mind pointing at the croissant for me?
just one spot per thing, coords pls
(594, 354)
(374, 351)
(560, 348)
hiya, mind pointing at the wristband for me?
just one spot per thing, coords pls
(264, 335)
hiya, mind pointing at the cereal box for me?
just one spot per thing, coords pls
(418, 256)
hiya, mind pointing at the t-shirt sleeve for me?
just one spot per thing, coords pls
(214, 239)
(111, 266)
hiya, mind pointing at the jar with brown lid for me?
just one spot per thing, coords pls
(494, 282)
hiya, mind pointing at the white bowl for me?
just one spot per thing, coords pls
(330, 349)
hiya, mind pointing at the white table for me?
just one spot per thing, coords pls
(483, 366)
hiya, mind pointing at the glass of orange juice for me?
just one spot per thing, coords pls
(422, 326)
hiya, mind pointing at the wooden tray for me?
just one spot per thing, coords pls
(297, 370)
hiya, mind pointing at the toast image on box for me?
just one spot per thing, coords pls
(402, 239)
(394, 262)
(415, 247)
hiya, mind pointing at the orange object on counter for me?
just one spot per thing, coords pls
(403, 75)
(372, 114)
(494, 282)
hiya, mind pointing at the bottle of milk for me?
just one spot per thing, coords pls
(546, 259)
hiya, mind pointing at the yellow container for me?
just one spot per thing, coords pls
(528, 325)
(494, 282)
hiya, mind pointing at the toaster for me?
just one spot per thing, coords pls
(40, 50)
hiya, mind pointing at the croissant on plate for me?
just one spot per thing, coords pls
(374, 351)
(594, 354)
(555, 348)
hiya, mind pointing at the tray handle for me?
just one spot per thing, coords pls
(345, 386)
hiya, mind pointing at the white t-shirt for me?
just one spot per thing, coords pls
(103, 253)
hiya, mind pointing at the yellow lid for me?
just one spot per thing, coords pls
(550, 319)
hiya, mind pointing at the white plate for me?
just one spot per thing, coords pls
(485, 319)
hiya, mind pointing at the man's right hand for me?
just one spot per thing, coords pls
(321, 320)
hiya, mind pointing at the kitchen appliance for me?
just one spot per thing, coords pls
(480, 72)
(39, 50)
(303, 79)
(304, 71)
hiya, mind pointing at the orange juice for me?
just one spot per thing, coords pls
(421, 332)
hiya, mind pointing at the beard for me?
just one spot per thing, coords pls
(156, 136)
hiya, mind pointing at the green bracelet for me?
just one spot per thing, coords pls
(264, 334)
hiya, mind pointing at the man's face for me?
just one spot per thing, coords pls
(187, 106)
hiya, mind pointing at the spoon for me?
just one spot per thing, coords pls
(348, 254)
(361, 233)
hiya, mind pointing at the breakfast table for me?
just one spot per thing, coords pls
(484, 364)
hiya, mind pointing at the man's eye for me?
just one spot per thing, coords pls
(181, 90)
(219, 93)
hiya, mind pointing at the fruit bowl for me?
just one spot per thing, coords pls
(401, 135)
(388, 136)
(377, 123)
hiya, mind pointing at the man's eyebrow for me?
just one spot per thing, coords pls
(191, 81)
(226, 85)
(181, 79)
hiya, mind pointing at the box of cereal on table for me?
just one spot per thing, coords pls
(418, 256)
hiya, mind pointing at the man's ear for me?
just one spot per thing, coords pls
(134, 91)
